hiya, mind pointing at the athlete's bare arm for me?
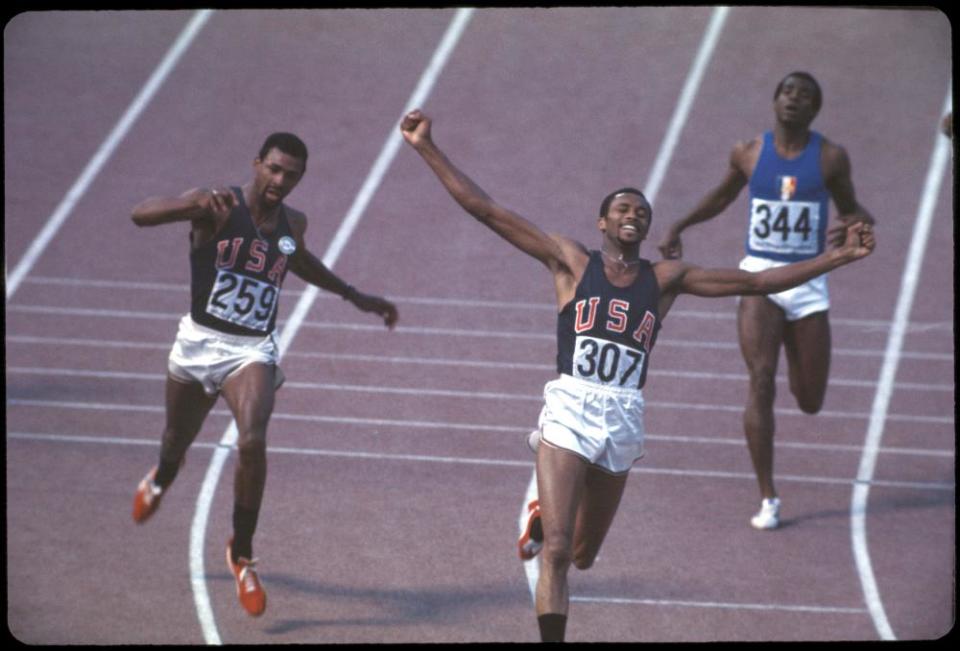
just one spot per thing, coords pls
(838, 177)
(196, 204)
(742, 159)
(206, 208)
(565, 258)
(676, 277)
(312, 270)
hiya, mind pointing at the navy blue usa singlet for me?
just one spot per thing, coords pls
(605, 334)
(236, 276)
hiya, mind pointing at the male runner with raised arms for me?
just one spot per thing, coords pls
(610, 306)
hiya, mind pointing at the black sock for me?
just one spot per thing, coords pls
(244, 524)
(552, 627)
(166, 472)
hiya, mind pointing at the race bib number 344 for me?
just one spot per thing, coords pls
(784, 226)
(606, 362)
(241, 300)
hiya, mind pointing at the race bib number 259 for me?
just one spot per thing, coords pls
(241, 300)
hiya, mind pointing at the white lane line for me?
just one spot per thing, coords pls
(908, 287)
(105, 439)
(103, 154)
(687, 95)
(781, 412)
(467, 363)
(652, 187)
(869, 324)
(838, 610)
(290, 328)
(468, 427)
(437, 331)
(729, 315)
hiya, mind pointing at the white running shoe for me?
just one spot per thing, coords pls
(768, 517)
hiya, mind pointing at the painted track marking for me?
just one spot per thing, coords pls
(103, 154)
(818, 480)
(908, 287)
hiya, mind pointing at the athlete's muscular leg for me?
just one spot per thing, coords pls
(560, 484)
(807, 343)
(760, 327)
(187, 407)
(601, 497)
(250, 394)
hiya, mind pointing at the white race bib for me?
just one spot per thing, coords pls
(606, 362)
(788, 227)
(242, 300)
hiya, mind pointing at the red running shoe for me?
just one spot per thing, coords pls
(147, 498)
(531, 540)
(252, 596)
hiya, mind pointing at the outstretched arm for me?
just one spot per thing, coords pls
(308, 267)
(678, 278)
(712, 204)
(517, 230)
(197, 205)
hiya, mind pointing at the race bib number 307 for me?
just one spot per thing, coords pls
(241, 300)
(606, 362)
(784, 226)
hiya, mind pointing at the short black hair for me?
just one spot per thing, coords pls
(287, 143)
(818, 95)
(607, 200)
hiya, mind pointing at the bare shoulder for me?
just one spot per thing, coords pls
(571, 249)
(745, 154)
(571, 257)
(569, 244)
(748, 145)
(297, 220)
(833, 158)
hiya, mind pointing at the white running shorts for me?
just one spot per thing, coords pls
(602, 424)
(804, 300)
(209, 357)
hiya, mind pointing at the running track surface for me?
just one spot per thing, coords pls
(397, 472)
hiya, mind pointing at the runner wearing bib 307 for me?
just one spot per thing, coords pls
(610, 305)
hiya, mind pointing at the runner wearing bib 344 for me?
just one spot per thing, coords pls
(792, 172)
(788, 203)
